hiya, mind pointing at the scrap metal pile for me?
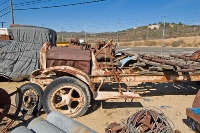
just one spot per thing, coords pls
(143, 121)
(76, 43)
(160, 65)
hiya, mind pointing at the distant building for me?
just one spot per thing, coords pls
(157, 26)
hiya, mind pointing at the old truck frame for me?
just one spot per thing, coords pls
(74, 75)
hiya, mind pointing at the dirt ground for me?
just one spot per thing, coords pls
(170, 98)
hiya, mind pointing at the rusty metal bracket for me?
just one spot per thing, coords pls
(43, 51)
(105, 95)
(110, 41)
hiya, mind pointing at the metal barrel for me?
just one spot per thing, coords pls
(67, 124)
(21, 129)
(39, 125)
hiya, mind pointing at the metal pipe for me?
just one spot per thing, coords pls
(185, 70)
(39, 125)
(185, 58)
(21, 129)
(67, 124)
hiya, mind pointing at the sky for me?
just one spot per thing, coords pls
(102, 16)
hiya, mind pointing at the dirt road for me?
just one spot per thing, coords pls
(171, 99)
(158, 50)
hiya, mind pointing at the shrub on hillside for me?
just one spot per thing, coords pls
(178, 43)
(150, 43)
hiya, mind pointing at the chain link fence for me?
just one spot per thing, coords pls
(170, 32)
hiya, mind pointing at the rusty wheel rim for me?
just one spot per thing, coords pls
(30, 99)
(67, 99)
(5, 103)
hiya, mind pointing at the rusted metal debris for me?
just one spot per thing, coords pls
(5, 105)
(4, 37)
(115, 128)
(143, 121)
(148, 120)
(194, 57)
(183, 63)
(101, 65)
(75, 43)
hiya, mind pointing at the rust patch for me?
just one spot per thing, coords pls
(196, 102)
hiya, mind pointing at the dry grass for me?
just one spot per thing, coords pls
(193, 41)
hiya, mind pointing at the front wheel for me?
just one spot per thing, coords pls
(68, 96)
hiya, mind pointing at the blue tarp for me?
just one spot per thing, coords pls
(196, 110)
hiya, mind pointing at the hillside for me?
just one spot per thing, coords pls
(191, 41)
(145, 33)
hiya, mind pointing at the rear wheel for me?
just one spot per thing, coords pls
(32, 98)
(68, 96)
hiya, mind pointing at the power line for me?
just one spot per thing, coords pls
(4, 2)
(61, 5)
(23, 4)
(5, 14)
(30, 3)
(3, 10)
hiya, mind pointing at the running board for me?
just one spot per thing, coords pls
(105, 95)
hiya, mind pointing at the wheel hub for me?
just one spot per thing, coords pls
(67, 99)
(29, 99)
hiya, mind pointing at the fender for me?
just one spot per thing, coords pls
(49, 74)
(128, 60)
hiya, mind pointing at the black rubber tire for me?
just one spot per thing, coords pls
(58, 83)
(37, 104)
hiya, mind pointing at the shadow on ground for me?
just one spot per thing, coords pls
(145, 90)
(159, 89)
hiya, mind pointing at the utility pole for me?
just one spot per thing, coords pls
(2, 23)
(163, 34)
(11, 10)
(118, 32)
(62, 31)
(85, 33)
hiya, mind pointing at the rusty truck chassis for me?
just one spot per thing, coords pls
(145, 68)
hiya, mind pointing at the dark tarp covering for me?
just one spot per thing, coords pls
(33, 34)
(19, 57)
